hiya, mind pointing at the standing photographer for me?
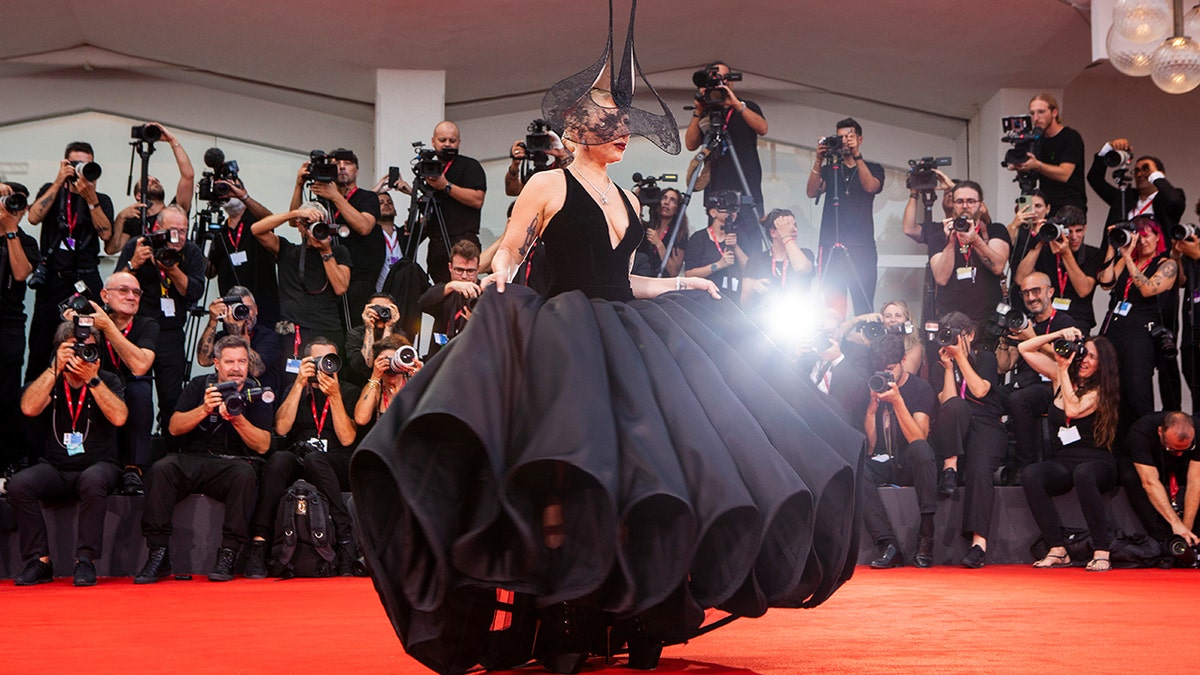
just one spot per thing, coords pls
(847, 255)
(714, 253)
(1058, 158)
(76, 219)
(548, 152)
(967, 257)
(236, 258)
(128, 222)
(647, 260)
(18, 258)
(237, 313)
(1070, 264)
(782, 271)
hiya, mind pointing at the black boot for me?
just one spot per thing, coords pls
(256, 562)
(223, 570)
(158, 565)
(347, 554)
(644, 649)
(560, 647)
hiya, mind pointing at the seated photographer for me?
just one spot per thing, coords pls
(647, 260)
(130, 344)
(237, 258)
(967, 255)
(315, 419)
(1029, 391)
(893, 318)
(1070, 264)
(1158, 462)
(767, 273)
(713, 253)
(1084, 413)
(897, 428)
(450, 303)
(170, 271)
(555, 156)
(381, 318)
(128, 223)
(223, 422)
(1057, 159)
(79, 454)
(842, 375)
(313, 277)
(395, 361)
(968, 426)
(237, 313)
(356, 210)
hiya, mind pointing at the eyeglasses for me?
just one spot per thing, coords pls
(126, 290)
(1033, 291)
(464, 270)
(966, 202)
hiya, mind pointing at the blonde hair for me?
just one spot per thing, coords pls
(1051, 102)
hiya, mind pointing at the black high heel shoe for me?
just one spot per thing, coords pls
(560, 646)
(644, 650)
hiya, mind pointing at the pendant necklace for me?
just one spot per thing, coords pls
(603, 195)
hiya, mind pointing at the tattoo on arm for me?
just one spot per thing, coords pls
(1165, 275)
(530, 236)
(206, 342)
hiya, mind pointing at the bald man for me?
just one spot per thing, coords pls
(459, 192)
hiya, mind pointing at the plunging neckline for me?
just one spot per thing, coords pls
(610, 226)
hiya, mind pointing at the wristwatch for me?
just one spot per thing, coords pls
(447, 188)
(94, 382)
(326, 257)
(10, 235)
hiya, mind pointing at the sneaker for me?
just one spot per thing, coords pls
(223, 570)
(158, 565)
(85, 573)
(256, 561)
(948, 484)
(347, 553)
(36, 572)
(975, 558)
(131, 483)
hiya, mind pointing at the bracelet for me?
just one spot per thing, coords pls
(817, 171)
(856, 157)
(372, 383)
(92, 206)
(713, 267)
(679, 283)
(326, 257)
(743, 108)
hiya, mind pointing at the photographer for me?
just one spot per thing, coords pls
(450, 303)
(967, 257)
(356, 209)
(897, 428)
(917, 230)
(128, 222)
(1187, 252)
(78, 456)
(893, 317)
(742, 122)
(237, 258)
(1158, 462)
(18, 257)
(1150, 195)
(783, 271)
(238, 314)
(556, 156)
(312, 277)
(1084, 413)
(968, 427)
(1058, 158)
(76, 219)
(395, 240)
(713, 253)
(381, 318)
(215, 458)
(1029, 215)
(170, 272)
(1070, 264)
(847, 240)
(1142, 271)
(647, 260)
(316, 421)
(388, 376)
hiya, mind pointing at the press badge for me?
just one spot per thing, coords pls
(1061, 304)
(1068, 435)
(168, 306)
(319, 444)
(1196, 297)
(68, 244)
(966, 274)
(440, 339)
(73, 440)
(238, 258)
(293, 366)
(1123, 308)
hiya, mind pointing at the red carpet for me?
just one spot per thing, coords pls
(944, 620)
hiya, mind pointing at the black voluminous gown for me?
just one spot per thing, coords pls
(695, 466)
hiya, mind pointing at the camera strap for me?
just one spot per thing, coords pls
(305, 248)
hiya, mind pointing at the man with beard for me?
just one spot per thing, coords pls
(129, 221)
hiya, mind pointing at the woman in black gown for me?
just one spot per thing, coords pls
(576, 473)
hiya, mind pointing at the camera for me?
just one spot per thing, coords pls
(1024, 138)
(322, 167)
(403, 359)
(322, 230)
(1164, 341)
(709, 81)
(382, 311)
(220, 170)
(921, 177)
(428, 163)
(146, 133)
(83, 325)
(961, 224)
(38, 279)
(1064, 348)
(1185, 555)
(1121, 234)
(1183, 231)
(87, 352)
(1118, 159)
(538, 138)
(78, 301)
(872, 330)
(728, 201)
(237, 309)
(1052, 230)
(15, 202)
(87, 170)
(947, 335)
(236, 401)
(833, 145)
(647, 188)
(328, 364)
(161, 241)
(881, 381)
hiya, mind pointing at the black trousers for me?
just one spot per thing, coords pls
(1026, 407)
(981, 443)
(41, 481)
(329, 472)
(853, 271)
(46, 317)
(914, 466)
(281, 470)
(170, 366)
(1156, 526)
(12, 357)
(1189, 355)
(133, 439)
(1135, 358)
(170, 479)
(1091, 471)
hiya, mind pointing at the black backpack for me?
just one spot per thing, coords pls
(304, 534)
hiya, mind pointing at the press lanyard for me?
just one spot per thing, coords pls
(348, 196)
(116, 359)
(781, 272)
(1062, 277)
(237, 241)
(75, 412)
(1129, 281)
(720, 249)
(320, 423)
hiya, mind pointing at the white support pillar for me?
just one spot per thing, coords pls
(408, 105)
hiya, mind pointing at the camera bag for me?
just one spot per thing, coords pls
(303, 544)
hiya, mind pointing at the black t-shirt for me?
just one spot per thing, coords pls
(366, 250)
(1144, 447)
(918, 398)
(976, 297)
(241, 260)
(990, 407)
(1142, 308)
(449, 312)
(703, 251)
(265, 342)
(214, 435)
(853, 222)
(143, 333)
(461, 220)
(723, 174)
(1066, 146)
(1025, 375)
(309, 302)
(1089, 259)
(304, 426)
(99, 435)
(154, 283)
(12, 292)
(784, 280)
(69, 219)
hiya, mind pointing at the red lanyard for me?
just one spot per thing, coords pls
(237, 241)
(71, 409)
(1143, 208)
(781, 273)
(116, 360)
(296, 344)
(967, 252)
(448, 164)
(1062, 277)
(1129, 282)
(72, 218)
(348, 196)
(720, 249)
(320, 423)
(1049, 320)
(165, 282)
(393, 242)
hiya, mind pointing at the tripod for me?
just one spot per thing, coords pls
(421, 207)
(143, 149)
(208, 221)
(834, 162)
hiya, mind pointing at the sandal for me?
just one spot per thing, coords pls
(1051, 561)
(1099, 565)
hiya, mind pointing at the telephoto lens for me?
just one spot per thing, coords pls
(403, 359)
